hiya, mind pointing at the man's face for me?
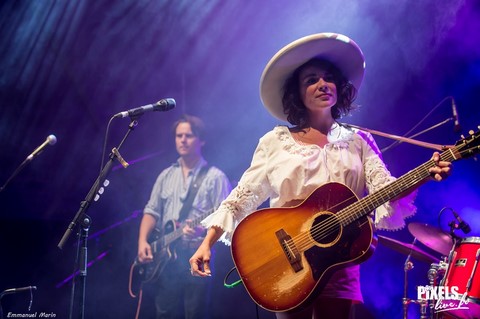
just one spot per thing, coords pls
(187, 144)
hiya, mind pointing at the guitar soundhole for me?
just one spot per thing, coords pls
(325, 229)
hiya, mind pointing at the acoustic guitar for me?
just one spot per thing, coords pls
(284, 256)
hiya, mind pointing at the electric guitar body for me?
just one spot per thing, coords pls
(163, 252)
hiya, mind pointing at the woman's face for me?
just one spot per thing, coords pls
(317, 88)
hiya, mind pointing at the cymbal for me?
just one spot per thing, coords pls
(432, 237)
(407, 249)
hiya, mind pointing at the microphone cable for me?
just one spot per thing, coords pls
(395, 143)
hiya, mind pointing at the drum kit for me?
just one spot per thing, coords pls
(453, 290)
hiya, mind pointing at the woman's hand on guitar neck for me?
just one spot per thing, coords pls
(441, 170)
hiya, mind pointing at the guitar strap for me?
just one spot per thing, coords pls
(192, 192)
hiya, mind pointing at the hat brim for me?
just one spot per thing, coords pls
(336, 48)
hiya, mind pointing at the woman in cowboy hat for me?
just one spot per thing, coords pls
(311, 83)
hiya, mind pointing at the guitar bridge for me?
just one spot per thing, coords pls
(290, 250)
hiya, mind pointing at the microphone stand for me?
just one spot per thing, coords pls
(408, 265)
(14, 291)
(401, 139)
(15, 173)
(417, 134)
(83, 221)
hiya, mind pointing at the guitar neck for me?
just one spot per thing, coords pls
(370, 202)
(178, 233)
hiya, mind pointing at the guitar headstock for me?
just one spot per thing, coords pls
(468, 146)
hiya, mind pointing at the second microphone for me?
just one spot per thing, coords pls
(162, 105)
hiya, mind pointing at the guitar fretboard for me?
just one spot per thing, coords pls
(178, 233)
(367, 204)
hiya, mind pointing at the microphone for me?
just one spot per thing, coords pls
(162, 105)
(51, 139)
(457, 128)
(461, 224)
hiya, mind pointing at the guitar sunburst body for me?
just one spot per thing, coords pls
(285, 255)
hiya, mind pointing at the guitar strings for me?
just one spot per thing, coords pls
(331, 225)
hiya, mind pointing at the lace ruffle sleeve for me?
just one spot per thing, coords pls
(252, 190)
(392, 214)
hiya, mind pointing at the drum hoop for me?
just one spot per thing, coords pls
(475, 240)
(473, 300)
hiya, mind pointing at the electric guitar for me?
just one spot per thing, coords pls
(284, 256)
(163, 250)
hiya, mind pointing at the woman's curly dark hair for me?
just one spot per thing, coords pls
(293, 106)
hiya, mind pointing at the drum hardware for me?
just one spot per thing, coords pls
(407, 301)
(435, 272)
(453, 224)
(407, 249)
(459, 268)
(408, 265)
(443, 243)
(423, 307)
(411, 251)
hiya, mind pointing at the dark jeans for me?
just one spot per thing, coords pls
(179, 295)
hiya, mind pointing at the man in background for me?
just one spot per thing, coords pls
(183, 194)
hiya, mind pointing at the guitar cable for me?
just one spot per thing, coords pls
(396, 142)
(140, 292)
(130, 280)
(139, 304)
(235, 283)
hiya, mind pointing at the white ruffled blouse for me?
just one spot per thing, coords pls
(284, 170)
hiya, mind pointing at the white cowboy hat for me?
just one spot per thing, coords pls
(336, 48)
